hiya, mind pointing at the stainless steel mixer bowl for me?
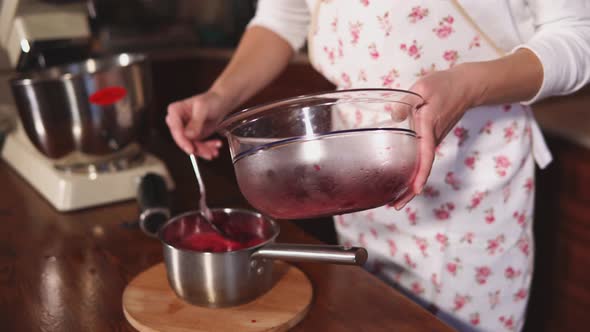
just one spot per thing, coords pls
(325, 154)
(84, 111)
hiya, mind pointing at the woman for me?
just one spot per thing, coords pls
(463, 245)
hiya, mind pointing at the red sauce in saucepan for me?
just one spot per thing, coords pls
(192, 232)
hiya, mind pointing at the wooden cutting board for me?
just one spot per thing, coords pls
(150, 304)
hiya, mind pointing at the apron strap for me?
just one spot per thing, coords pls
(470, 20)
(313, 28)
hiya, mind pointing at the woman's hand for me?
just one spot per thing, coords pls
(193, 119)
(447, 94)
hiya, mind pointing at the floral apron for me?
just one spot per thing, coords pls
(464, 246)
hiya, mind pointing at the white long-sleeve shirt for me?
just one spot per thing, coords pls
(557, 31)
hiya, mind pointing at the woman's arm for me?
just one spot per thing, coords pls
(261, 56)
(274, 34)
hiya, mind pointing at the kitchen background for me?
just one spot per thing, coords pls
(162, 24)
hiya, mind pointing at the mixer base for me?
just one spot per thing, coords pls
(71, 191)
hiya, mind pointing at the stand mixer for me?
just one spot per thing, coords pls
(75, 137)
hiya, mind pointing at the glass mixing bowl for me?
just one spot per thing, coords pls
(325, 154)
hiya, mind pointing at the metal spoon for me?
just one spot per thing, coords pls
(202, 201)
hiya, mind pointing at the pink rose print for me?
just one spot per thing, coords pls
(510, 273)
(443, 240)
(373, 51)
(462, 134)
(412, 217)
(452, 181)
(471, 160)
(341, 222)
(482, 274)
(435, 283)
(444, 212)
(520, 295)
(417, 288)
(362, 77)
(392, 228)
(392, 247)
(494, 299)
(385, 23)
(523, 245)
(474, 319)
(417, 14)
(430, 192)
(451, 57)
(489, 216)
(426, 70)
(409, 261)
(413, 50)
(334, 24)
(346, 83)
(495, 244)
(362, 240)
(508, 322)
(445, 27)
(520, 218)
(487, 128)
(422, 245)
(468, 237)
(355, 31)
(340, 48)
(454, 266)
(330, 54)
(389, 79)
(475, 42)
(369, 215)
(507, 107)
(476, 199)
(365, 2)
(529, 185)
(373, 232)
(460, 301)
(502, 164)
(510, 132)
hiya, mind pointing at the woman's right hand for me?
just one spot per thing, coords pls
(193, 119)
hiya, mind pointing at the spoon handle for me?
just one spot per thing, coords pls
(202, 200)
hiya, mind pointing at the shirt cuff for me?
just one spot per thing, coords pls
(564, 59)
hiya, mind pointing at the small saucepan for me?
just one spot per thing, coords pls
(206, 269)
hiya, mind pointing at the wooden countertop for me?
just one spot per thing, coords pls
(67, 271)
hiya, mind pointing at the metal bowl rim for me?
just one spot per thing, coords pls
(38, 76)
(273, 224)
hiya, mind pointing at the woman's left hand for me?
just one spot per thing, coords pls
(447, 94)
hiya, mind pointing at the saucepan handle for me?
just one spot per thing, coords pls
(313, 253)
